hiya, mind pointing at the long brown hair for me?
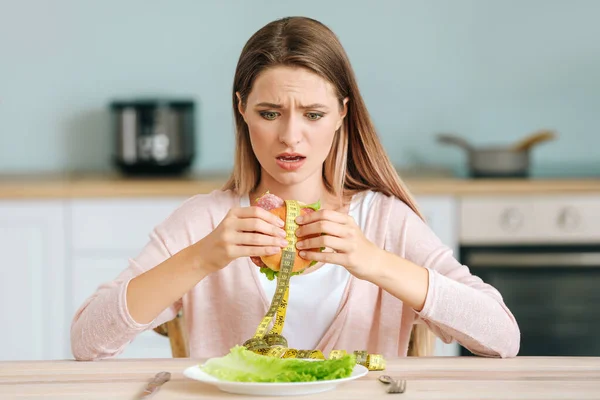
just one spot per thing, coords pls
(357, 160)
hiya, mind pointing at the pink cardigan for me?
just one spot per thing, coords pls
(225, 308)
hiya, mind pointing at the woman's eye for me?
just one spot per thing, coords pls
(270, 115)
(314, 116)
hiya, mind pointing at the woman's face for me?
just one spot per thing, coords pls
(292, 116)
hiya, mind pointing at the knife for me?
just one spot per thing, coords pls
(155, 384)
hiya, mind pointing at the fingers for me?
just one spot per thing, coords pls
(335, 243)
(260, 213)
(257, 239)
(252, 232)
(324, 257)
(323, 227)
(258, 225)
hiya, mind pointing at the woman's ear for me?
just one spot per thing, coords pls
(343, 113)
(240, 105)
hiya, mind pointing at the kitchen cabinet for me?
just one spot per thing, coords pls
(33, 246)
(105, 234)
(440, 213)
(542, 220)
(57, 252)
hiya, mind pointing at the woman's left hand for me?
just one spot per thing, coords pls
(340, 233)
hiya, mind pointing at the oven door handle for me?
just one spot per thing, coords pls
(543, 260)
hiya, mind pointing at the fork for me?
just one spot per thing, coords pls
(397, 385)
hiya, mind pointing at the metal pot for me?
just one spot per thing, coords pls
(499, 161)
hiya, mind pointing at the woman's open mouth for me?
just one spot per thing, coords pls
(290, 162)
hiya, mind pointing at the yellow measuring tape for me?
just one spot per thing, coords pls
(272, 343)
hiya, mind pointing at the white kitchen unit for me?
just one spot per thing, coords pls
(33, 246)
(440, 213)
(105, 234)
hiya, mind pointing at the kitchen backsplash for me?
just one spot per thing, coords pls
(492, 72)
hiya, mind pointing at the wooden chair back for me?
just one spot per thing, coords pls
(176, 332)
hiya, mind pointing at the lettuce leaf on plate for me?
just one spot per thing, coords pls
(242, 365)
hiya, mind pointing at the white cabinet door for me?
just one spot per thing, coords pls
(32, 243)
(440, 214)
(106, 233)
(119, 223)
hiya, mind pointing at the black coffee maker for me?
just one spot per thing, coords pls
(153, 136)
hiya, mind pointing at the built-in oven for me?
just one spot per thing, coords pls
(543, 254)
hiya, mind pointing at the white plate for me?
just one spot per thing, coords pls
(272, 389)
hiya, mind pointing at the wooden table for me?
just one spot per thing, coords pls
(428, 378)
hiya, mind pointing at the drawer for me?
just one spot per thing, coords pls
(498, 219)
(108, 224)
(569, 219)
(530, 219)
(440, 215)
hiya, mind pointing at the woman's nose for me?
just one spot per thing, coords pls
(290, 133)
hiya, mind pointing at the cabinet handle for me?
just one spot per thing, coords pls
(568, 219)
(511, 219)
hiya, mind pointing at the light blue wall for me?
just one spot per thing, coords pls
(492, 71)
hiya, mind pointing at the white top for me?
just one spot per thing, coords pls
(315, 298)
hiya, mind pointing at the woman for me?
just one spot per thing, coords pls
(303, 133)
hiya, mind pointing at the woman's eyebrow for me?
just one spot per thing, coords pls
(269, 105)
(279, 106)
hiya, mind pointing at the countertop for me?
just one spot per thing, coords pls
(115, 185)
(427, 378)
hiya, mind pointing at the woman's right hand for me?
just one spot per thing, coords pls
(244, 232)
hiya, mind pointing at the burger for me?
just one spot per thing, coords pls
(270, 265)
